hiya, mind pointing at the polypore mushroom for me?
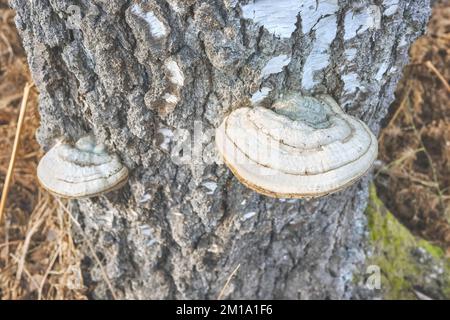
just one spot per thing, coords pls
(82, 170)
(304, 147)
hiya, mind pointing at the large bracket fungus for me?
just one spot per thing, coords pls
(304, 147)
(82, 170)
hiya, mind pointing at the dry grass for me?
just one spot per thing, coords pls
(12, 161)
(38, 259)
(415, 145)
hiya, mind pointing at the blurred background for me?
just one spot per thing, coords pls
(408, 214)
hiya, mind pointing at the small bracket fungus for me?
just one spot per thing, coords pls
(304, 147)
(82, 170)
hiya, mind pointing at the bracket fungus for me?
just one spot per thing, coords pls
(82, 170)
(304, 147)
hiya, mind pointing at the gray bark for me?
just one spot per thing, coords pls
(179, 230)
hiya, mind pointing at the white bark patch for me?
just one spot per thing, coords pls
(170, 98)
(146, 197)
(248, 215)
(357, 23)
(157, 27)
(211, 186)
(381, 71)
(390, 7)
(175, 6)
(275, 65)
(278, 17)
(351, 82)
(231, 3)
(146, 232)
(403, 41)
(312, 11)
(350, 54)
(176, 75)
(167, 135)
(258, 96)
(318, 59)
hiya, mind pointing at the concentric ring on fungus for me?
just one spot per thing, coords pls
(304, 147)
(82, 170)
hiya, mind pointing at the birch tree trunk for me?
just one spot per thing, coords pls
(153, 79)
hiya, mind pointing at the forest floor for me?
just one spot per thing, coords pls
(413, 174)
(38, 259)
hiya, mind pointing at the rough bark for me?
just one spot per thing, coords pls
(181, 226)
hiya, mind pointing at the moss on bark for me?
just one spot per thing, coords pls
(410, 267)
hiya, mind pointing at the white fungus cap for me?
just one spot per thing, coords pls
(304, 147)
(81, 170)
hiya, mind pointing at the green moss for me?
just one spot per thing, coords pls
(393, 248)
(435, 251)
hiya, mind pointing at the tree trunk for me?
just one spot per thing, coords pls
(152, 79)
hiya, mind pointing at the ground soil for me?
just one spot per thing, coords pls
(413, 178)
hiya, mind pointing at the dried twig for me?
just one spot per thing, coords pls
(397, 162)
(431, 66)
(9, 50)
(27, 273)
(228, 282)
(427, 154)
(396, 114)
(47, 271)
(91, 249)
(23, 108)
(34, 227)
